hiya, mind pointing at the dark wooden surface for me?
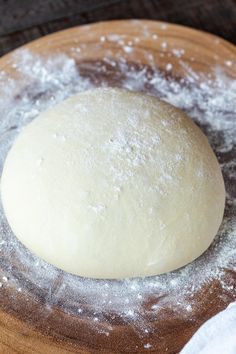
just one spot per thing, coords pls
(24, 20)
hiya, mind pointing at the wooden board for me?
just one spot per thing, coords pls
(27, 323)
(22, 22)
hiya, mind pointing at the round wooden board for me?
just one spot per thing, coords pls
(26, 323)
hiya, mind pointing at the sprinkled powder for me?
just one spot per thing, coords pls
(128, 49)
(211, 103)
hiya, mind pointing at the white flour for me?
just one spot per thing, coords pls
(212, 104)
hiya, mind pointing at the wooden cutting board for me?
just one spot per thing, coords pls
(30, 321)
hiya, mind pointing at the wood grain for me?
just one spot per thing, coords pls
(19, 15)
(27, 324)
(24, 21)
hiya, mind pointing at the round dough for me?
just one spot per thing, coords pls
(113, 184)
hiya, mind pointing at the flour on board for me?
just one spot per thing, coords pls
(211, 103)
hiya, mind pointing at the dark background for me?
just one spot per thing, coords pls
(23, 20)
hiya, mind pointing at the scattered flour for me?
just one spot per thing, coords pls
(211, 103)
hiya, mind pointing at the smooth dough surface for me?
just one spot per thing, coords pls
(113, 184)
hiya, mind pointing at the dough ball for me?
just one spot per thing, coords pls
(113, 184)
